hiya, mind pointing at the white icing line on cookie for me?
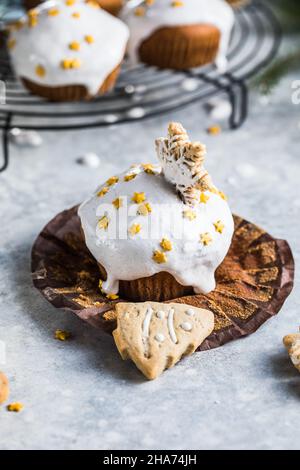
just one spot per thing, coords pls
(160, 314)
(186, 326)
(159, 337)
(171, 326)
(146, 322)
(190, 312)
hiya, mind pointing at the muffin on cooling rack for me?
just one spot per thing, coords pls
(66, 51)
(180, 34)
(159, 233)
(112, 6)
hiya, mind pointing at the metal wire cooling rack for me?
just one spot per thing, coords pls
(143, 92)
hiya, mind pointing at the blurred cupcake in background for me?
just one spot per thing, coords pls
(179, 34)
(68, 50)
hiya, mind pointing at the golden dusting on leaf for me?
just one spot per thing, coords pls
(166, 244)
(134, 229)
(148, 168)
(62, 335)
(206, 238)
(138, 198)
(219, 226)
(103, 223)
(103, 191)
(112, 180)
(203, 198)
(159, 257)
(130, 176)
(189, 214)
(117, 203)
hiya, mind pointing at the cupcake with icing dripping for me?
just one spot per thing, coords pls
(159, 232)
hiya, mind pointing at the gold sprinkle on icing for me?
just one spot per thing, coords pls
(40, 71)
(177, 3)
(206, 238)
(32, 13)
(166, 244)
(112, 296)
(32, 21)
(103, 191)
(74, 46)
(117, 203)
(189, 214)
(62, 335)
(111, 181)
(148, 168)
(103, 223)
(53, 12)
(138, 198)
(140, 11)
(70, 3)
(89, 39)
(11, 43)
(15, 407)
(134, 229)
(144, 209)
(219, 226)
(203, 198)
(159, 257)
(130, 177)
(67, 64)
(76, 15)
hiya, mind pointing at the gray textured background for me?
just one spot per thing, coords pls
(79, 394)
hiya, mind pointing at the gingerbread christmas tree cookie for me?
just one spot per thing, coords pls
(155, 336)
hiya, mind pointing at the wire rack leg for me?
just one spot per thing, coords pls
(238, 96)
(5, 143)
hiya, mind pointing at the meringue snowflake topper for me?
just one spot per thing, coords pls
(182, 163)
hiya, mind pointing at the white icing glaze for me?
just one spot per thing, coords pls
(190, 312)
(162, 14)
(159, 337)
(160, 314)
(146, 322)
(186, 326)
(123, 258)
(47, 45)
(171, 325)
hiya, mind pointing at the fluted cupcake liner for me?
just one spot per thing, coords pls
(253, 281)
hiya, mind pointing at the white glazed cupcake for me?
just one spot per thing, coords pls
(159, 233)
(180, 34)
(68, 50)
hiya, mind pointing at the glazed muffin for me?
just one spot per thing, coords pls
(66, 51)
(179, 34)
(112, 6)
(159, 232)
